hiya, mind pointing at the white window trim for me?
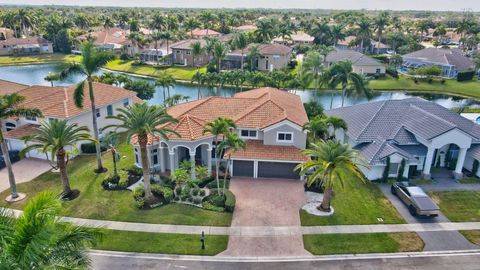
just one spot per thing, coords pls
(284, 141)
(248, 137)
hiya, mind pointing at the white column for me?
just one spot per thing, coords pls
(162, 159)
(209, 160)
(428, 163)
(171, 153)
(192, 160)
(255, 169)
(406, 171)
(461, 159)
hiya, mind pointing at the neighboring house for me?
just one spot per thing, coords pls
(202, 33)
(245, 28)
(57, 103)
(361, 63)
(352, 43)
(182, 53)
(451, 61)
(295, 39)
(348, 43)
(379, 47)
(5, 33)
(273, 56)
(422, 133)
(269, 120)
(25, 46)
(111, 39)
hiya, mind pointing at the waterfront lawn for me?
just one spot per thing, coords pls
(459, 206)
(96, 203)
(359, 203)
(38, 59)
(179, 73)
(472, 236)
(180, 244)
(453, 87)
(326, 244)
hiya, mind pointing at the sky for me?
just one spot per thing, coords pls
(440, 5)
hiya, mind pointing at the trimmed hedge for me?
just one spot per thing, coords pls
(465, 75)
(229, 201)
(89, 148)
(392, 72)
(206, 181)
(213, 184)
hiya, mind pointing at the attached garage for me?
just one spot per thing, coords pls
(243, 168)
(277, 170)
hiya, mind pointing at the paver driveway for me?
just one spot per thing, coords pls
(25, 170)
(266, 202)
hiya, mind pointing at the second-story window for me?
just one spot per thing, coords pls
(109, 110)
(125, 102)
(284, 137)
(97, 112)
(245, 133)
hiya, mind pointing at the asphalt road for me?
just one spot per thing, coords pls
(433, 261)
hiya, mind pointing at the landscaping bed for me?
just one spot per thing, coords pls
(459, 206)
(326, 244)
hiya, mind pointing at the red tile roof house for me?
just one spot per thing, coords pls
(273, 56)
(57, 103)
(202, 33)
(269, 120)
(25, 46)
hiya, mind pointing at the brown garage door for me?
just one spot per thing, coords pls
(277, 170)
(243, 168)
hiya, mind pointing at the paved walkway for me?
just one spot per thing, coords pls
(433, 239)
(25, 170)
(443, 181)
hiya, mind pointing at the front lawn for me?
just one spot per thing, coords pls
(96, 203)
(469, 180)
(38, 59)
(472, 236)
(325, 244)
(181, 244)
(179, 73)
(459, 206)
(359, 203)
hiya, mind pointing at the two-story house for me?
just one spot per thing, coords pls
(269, 120)
(25, 46)
(57, 103)
(182, 53)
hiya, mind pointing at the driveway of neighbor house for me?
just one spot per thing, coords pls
(25, 170)
(437, 240)
(266, 202)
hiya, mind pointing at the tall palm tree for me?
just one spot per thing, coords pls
(440, 32)
(26, 19)
(157, 22)
(199, 79)
(167, 35)
(38, 240)
(253, 55)
(190, 24)
(265, 30)
(165, 81)
(333, 164)
(136, 38)
(314, 63)
(232, 143)
(337, 33)
(220, 50)
(156, 37)
(380, 23)
(364, 32)
(240, 42)
(197, 50)
(143, 120)
(54, 138)
(11, 106)
(92, 61)
(342, 73)
(422, 27)
(217, 128)
(207, 19)
(52, 77)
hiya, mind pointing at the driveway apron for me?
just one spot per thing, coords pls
(25, 170)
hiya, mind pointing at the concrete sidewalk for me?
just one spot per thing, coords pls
(260, 231)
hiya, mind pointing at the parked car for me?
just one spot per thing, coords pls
(418, 202)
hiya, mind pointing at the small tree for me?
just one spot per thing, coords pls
(181, 176)
(401, 170)
(201, 172)
(387, 170)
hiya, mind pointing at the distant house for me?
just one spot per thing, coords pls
(57, 103)
(352, 43)
(361, 63)
(348, 43)
(273, 56)
(379, 47)
(201, 33)
(182, 53)
(245, 28)
(111, 39)
(295, 39)
(25, 46)
(5, 33)
(451, 61)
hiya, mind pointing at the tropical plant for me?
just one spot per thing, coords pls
(220, 50)
(380, 23)
(166, 81)
(144, 89)
(265, 30)
(52, 77)
(175, 99)
(333, 164)
(231, 143)
(240, 42)
(156, 37)
(143, 120)
(342, 73)
(10, 107)
(253, 55)
(314, 63)
(112, 141)
(197, 50)
(92, 61)
(364, 32)
(167, 36)
(38, 240)
(190, 24)
(199, 79)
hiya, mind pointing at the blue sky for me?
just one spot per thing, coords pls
(454, 5)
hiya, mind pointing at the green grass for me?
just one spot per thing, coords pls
(179, 73)
(359, 203)
(422, 182)
(38, 59)
(181, 244)
(459, 206)
(96, 203)
(325, 244)
(472, 236)
(469, 180)
(465, 89)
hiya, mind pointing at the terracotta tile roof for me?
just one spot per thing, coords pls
(246, 27)
(107, 36)
(7, 87)
(57, 102)
(20, 132)
(185, 44)
(203, 32)
(189, 128)
(274, 48)
(257, 150)
(24, 41)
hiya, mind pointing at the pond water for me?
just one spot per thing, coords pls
(35, 74)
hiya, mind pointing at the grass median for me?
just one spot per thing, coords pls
(459, 206)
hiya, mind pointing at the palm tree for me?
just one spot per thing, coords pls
(232, 143)
(364, 32)
(321, 32)
(314, 63)
(265, 30)
(240, 41)
(191, 23)
(333, 164)
(52, 77)
(422, 27)
(157, 22)
(380, 23)
(156, 37)
(253, 55)
(107, 22)
(197, 50)
(53, 138)
(26, 19)
(167, 35)
(37, 239)
(165, 81)
(112, 140)
(143, 120)
(342, 73)
(199, 79)
(92, 61)
(207, 19)
(218, 127)
(337, 33)
(136, 38)
(220, 50)
(11, 106)
(175, 99)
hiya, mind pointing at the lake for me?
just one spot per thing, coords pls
(35, 74)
